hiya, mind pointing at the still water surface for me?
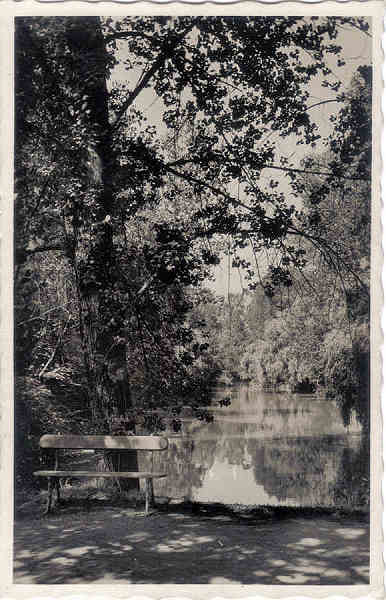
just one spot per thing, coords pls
(266, 449)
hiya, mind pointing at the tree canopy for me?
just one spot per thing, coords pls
(119, 221)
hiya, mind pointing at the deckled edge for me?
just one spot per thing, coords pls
(8, 591)
(383, 285)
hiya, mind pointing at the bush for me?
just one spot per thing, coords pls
(348, 382)
(38, 410)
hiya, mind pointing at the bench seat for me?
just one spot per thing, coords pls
(123, 474)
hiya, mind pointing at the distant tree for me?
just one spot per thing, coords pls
(322, 332)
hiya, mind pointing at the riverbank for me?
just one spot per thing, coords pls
(97, 541)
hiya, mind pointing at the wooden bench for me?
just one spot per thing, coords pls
(55, 443)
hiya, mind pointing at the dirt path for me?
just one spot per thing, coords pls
(115, 545)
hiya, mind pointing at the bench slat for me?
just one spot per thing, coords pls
(123, 474)
(104, 442)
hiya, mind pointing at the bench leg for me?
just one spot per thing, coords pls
(53, 483)
(57, 487)
(49, 497)
(149, 495)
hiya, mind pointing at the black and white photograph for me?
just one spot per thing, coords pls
(195, 226)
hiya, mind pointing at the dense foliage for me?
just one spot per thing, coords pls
(119, 221)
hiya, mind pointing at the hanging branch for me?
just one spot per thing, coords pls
(55, 350)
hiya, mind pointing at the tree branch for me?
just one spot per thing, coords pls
(327, 251)
(182, 162)
(321, 102)
(318, 243)
(41, 316)
(55, 350)
(123, 35)
(45, 248)
(196, 181)
(166, 52)
(322, 173)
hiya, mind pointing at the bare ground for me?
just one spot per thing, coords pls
(91, 543)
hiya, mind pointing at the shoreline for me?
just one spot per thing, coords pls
(99, 499)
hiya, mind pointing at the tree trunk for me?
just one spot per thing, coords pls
(95, 259)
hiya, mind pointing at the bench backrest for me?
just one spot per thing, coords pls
(104, 442)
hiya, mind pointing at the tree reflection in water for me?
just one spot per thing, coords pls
(351, 486)
(269, 449)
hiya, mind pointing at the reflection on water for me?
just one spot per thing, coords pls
(266, 449)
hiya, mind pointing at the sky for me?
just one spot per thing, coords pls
(356, 51)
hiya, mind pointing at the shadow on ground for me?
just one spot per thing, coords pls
(118, 545)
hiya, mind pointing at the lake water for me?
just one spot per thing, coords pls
(266, 449)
